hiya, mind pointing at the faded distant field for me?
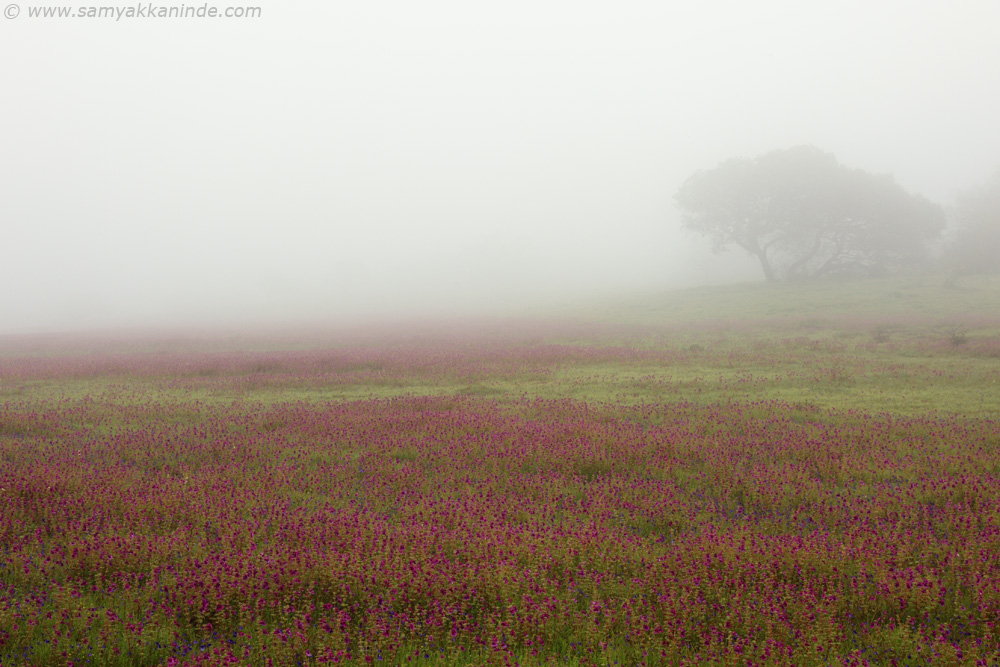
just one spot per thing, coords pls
(750, 475)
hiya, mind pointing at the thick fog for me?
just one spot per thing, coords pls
(326, 160)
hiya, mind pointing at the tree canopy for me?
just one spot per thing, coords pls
(803, 214)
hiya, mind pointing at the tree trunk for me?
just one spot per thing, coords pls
(766, 266)
(793, 270)
(753, 247)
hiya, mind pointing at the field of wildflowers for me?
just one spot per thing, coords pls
(577, 494)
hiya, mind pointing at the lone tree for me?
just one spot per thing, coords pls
(975, 248)
(803, 214)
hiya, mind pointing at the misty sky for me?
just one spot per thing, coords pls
(334, 158)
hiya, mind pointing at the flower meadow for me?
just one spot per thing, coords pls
(498, 502)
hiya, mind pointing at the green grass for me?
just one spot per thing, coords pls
(904, 345)
(816, 304)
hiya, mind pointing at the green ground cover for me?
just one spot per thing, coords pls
(788, 475)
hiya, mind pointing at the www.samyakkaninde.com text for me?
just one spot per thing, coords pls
(144, 11)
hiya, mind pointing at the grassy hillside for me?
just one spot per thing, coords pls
(901, 345)
(835, 304)
(790, 475)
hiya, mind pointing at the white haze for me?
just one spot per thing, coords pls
(335, 159)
